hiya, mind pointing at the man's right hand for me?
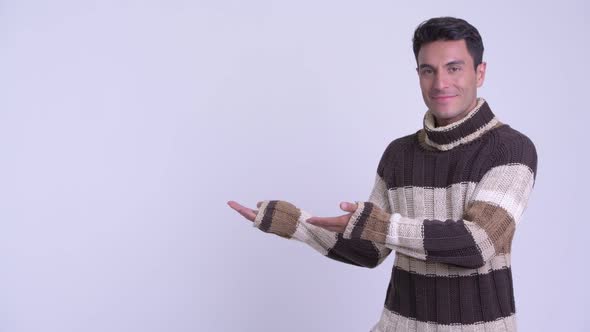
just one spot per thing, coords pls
(244, 211)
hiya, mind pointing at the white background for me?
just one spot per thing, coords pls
(125, 126)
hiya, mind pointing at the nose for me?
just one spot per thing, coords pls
(441, 80)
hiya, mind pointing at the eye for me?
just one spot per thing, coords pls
(426, 71)
(454, 69)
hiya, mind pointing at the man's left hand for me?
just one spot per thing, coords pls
(335, 224)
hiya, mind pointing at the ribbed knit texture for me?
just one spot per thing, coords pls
(447, 200)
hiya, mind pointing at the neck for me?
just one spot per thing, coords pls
(446, 122)
(461, 131)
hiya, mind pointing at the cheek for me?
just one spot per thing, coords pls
(424, 85)
(467, 82)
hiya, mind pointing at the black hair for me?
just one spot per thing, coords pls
(449, 28)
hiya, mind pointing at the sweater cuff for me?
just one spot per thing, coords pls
(355, 226)
(368, 222)
(277, 217)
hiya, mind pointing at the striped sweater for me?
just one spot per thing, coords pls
(447, 201)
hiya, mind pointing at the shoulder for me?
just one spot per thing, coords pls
(512, 147)
(400, 144)
(394, 148)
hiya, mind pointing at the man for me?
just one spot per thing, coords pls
(446, 199)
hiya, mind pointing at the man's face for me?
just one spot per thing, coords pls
(447, 79)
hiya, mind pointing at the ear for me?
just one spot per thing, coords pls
(480, 73)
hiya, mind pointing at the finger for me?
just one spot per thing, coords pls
(348, 207)
(329, 221)
(248, 214)
(336, 229)
(319, 221)
(244, 211)
(235, 205)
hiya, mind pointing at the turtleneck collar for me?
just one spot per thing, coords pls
(477, 122)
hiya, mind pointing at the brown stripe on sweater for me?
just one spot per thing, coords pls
(376, 226)
(284, 219)
(496, 221)
(451, 300)
(267, 217)
(359, 225)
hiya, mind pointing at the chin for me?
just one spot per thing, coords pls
(445, 116)
(444, 113)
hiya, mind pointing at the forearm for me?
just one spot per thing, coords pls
(286, 220)
(430, 240)
(485, 230)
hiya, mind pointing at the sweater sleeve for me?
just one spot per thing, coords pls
(286, 220)
(485, 230)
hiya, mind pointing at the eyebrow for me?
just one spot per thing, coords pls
(456, 62)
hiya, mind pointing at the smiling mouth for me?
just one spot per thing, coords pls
(442, 98)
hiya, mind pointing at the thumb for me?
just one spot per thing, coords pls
(348, 207)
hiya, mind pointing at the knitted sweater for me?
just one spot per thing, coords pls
(447, 200)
